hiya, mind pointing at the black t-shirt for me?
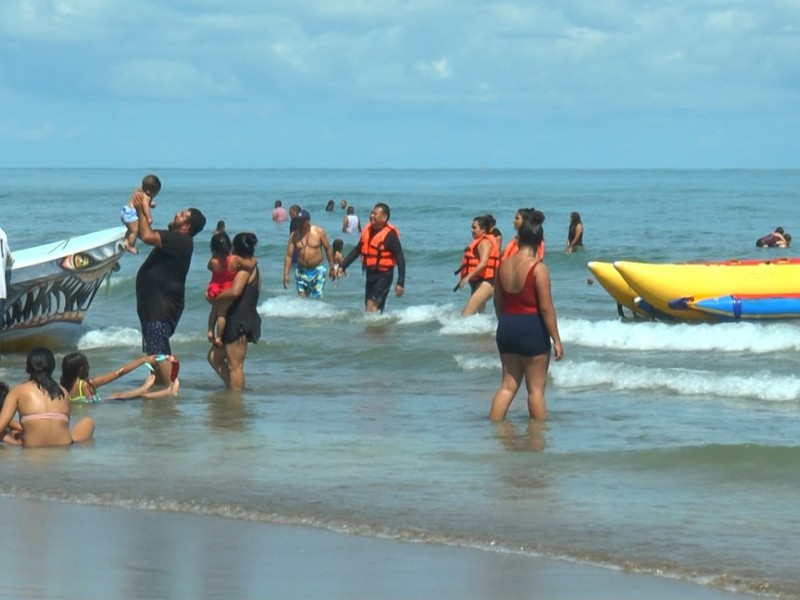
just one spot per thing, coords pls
(161, 281)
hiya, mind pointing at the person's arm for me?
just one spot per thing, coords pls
(146, 233)
(499, 306)
(544, 298)
(484, 249)
(359, 224)
(287, 261)
(323, 240)
(344, 224)
(8, 410)
(240, 263)
(236, 289)
(96, 382)
(394, 246)
(351, 256)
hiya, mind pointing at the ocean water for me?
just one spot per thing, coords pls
(671, 449)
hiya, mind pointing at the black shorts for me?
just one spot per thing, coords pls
(155, 337)
(377, 288)
(522, 334)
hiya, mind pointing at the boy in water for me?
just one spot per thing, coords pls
(151, 185)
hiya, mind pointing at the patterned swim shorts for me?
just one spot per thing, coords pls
(310, 281)
(155, 337)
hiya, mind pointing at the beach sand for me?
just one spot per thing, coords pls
(56, 550)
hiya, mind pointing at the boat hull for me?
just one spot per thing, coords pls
(53, 285)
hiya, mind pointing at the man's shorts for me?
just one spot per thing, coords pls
(377, 288)
(155, 337)
(310, 281)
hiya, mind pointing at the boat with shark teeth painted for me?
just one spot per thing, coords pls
(52, 286)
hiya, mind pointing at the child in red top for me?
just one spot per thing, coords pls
(223, 266)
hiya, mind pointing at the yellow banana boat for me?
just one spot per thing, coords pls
(612, 282)
(664, 286)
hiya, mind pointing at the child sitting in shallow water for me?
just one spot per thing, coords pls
(151, 185)
(223, 266)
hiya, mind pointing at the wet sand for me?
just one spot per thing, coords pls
(53, 550)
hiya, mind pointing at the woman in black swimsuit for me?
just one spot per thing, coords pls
(243, 325)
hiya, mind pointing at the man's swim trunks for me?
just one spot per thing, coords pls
(310, 281)
(377, 287)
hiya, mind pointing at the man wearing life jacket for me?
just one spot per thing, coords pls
(380, 252)
(479, 266)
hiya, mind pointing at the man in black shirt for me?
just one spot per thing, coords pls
(161, 280)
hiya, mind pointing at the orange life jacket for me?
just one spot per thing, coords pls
(471, 259)
(374, 254)
(513, 247)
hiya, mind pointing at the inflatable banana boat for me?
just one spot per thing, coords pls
(722, 291)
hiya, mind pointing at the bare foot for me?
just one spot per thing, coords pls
(130, 249)
(174, 386)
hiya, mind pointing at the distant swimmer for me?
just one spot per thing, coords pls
(279, 213)
(351, 223)
(330, 207)
(777, 239)
(575, 233)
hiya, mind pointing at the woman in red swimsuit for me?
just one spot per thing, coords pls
(526, 322)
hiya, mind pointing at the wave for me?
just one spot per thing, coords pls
(758, 385)
(719, 337)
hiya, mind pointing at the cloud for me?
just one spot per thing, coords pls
(159, 78)
(435, 69)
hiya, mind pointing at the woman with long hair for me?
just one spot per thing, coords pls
(479, 265)
(43, 406)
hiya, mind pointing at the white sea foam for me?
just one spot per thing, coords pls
(299, 307)
(110, 337)
(471, 362)
(761, 385)
(718, 337)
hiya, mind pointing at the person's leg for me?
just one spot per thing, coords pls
(478, 299)
(221, 320)
(300, 282)
(510, 381)
(535, 381)
(219, 364)
(130, 236)
(83, 430)
(236, 353)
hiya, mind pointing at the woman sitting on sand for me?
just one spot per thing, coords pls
(83, 389)
(43, 406)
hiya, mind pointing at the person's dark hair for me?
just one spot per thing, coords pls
(220, 245)
(197, 221)
(40, 365)
(220, 226)
(351, 210)
(244, 244)
(338, 245)
(788, 239)
(530, 234)
(575, 217)
(278, 203)
(295, 208)
(151, 185)
(330, 205)
(485, 222)
(779, 230)
(385, 209)
(74, 366)
(531, 214)
(492, 222)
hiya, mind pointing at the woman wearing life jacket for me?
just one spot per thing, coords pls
(527, 328)
(479, 265)
(523, 214)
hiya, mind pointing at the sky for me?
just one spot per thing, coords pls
(496, 84)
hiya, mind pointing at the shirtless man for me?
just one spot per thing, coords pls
(308, 242)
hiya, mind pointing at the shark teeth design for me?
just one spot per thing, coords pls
(63, 299)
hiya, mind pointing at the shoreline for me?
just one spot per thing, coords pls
(109, 552)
